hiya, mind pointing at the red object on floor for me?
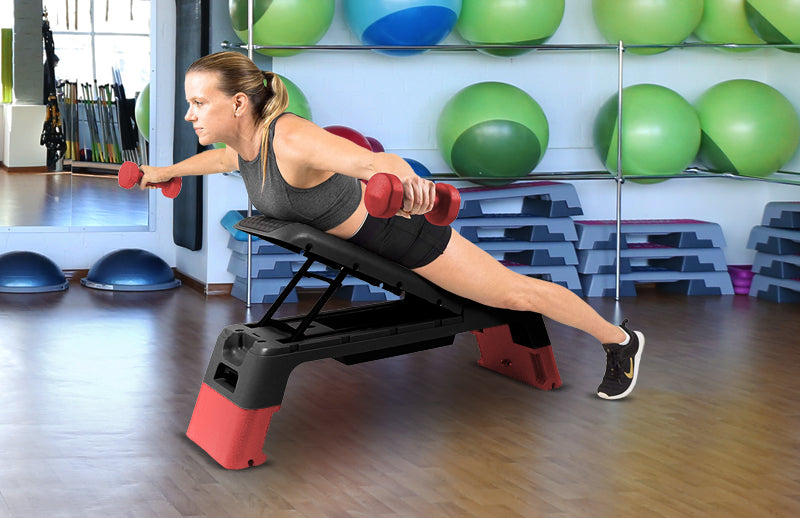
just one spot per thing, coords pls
(231, 435)
(500, 353)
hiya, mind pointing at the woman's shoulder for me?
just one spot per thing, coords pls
(290, 121)
(294, 131)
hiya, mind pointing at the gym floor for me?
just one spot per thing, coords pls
(98, 388)
(64, 199)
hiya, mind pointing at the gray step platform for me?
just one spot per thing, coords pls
(566, 276)
(778, 266)
(678, 259)
(686, 283)
(259, 247)
(525, 228)
(231, 218)
(678, 233)
(776, 290)
(545, 199)
(266, 290)
(553, 253)
(774, 240)
(270, 266)
(782, 214)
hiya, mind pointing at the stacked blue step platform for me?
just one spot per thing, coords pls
(777, 261)
(528, 226)
(272, 267)
(679, 255)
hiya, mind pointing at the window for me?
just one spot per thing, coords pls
(7, 16)
(93, 36)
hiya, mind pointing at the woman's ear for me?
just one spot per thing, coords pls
(240, 103)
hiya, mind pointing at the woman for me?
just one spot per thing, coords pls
(295, 170)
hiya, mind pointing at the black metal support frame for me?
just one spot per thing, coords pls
(251, 363)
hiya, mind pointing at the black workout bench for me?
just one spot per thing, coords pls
(250, 365)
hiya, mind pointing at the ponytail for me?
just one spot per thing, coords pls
(277, 99)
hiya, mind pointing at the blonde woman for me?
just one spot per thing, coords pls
(296, 171)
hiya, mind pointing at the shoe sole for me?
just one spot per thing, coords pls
(637, 358)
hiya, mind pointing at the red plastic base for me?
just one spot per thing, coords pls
(499, 353)
(232, 436)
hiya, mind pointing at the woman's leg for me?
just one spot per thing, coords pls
(468, 271)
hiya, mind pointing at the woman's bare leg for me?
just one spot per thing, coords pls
(468, 271)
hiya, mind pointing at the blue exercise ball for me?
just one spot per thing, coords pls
(418, 167)
(29, 272)
(401, 22)
(130, 269)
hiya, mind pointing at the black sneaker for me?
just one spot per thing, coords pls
(622, 366)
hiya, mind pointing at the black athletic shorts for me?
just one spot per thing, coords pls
(412, 243)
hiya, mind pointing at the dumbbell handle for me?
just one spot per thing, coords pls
(130, 175)
(384, 199)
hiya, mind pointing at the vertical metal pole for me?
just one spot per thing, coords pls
(249, 205)
(620, 52)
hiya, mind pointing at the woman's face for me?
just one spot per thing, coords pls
(211, 112)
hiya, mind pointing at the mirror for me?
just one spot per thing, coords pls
(91, 37)
(66, 199)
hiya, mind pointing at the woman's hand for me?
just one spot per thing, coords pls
(419, 196)
(152, 175)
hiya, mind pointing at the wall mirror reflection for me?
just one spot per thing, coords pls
(103, 56)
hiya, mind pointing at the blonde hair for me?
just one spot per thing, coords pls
(265, 90)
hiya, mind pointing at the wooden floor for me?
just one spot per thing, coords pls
(69, 200)
(98, 388)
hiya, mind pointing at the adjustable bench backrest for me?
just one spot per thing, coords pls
(361, 263)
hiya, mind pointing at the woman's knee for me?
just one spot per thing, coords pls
(525, 295)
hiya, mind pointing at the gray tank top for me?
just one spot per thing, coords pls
(323, 207)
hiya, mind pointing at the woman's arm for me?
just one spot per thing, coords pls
(310, 148)
(207, 162)
(313, 149)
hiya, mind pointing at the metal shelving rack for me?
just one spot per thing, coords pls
(784, 177)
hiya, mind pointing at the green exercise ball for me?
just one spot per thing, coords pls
(509, 22)
(647, 22)
(776, 21)
(283, 22)
(748, 127)
(298, 104)
(660, 132)
(724, 21)
(141, 112)
(492, 129)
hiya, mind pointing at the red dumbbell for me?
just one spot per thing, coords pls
(384, 198)
(130, 175)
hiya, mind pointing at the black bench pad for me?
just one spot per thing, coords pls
(335, 252)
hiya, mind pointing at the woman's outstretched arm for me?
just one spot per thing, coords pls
(207, 162)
